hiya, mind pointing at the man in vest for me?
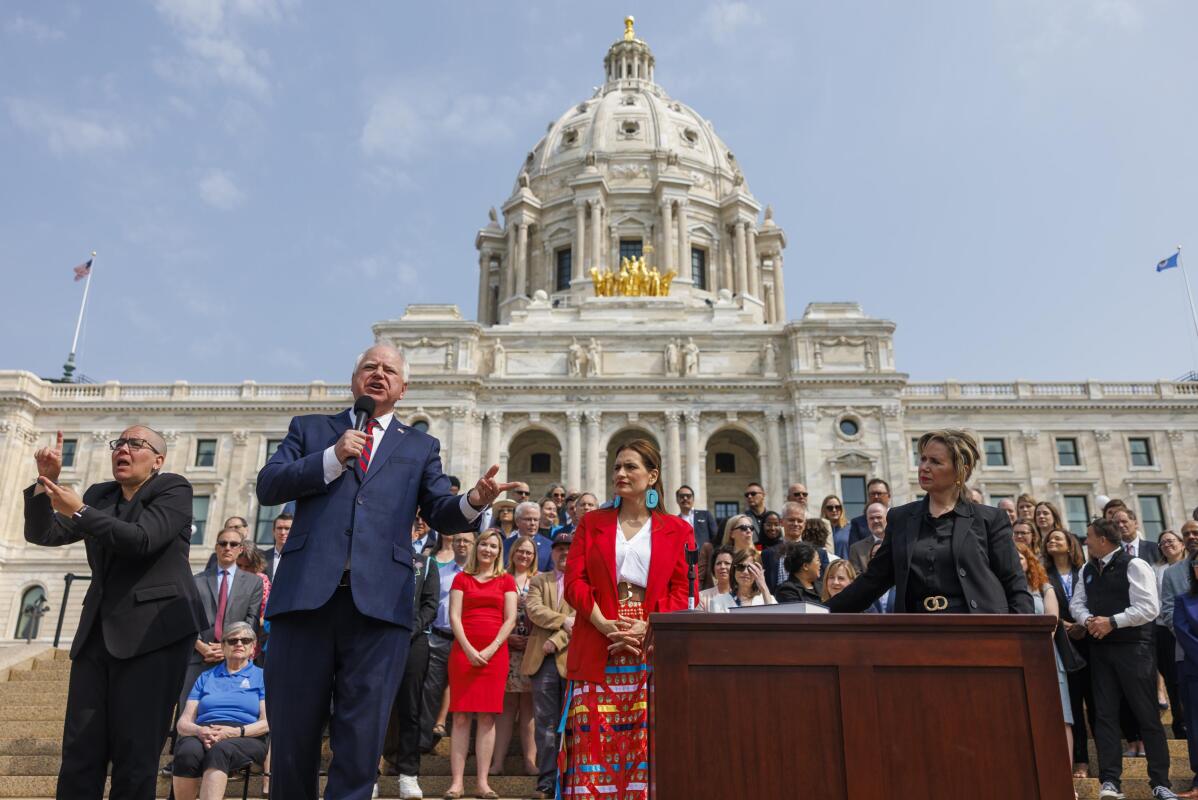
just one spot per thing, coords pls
(1117, 601)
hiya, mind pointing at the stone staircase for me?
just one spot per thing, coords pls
(33, 702)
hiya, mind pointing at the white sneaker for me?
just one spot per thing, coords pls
(409, 788)
(375, 793)
(1110, 791)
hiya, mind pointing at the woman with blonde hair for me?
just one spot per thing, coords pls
(740, 531)
(832, 509)
(837, 578)
(943, 553)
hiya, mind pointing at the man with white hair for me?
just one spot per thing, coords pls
(875, 517)
(344, 606)
(1008, 505)
(528, 523)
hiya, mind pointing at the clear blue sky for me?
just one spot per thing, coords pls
(264, 178)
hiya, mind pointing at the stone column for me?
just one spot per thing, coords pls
(779, 291)
(754, 267)
(579, 253)
(484, 288)
(775, 491)
(458, 448)
(573, 450)
(694, 459)
(667, 235)
(742, 257)
(614, 260)
(595, 481)
(673, 476)
(726, 248)
(521, 287)
(596, 236)
(684, 243)
(494, 429)
(508, 275)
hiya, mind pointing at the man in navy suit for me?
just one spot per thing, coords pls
(878, 491)
(528, 523)
(699, 519)
(341, 612)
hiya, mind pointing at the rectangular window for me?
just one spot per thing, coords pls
(565, 266)
(725, 463)
(631, 248)
(996, 452)
(915, 451)
(206, 453)
(271, 446)
(69, 448)
(1152, 516)
(265, 524)
(725, 511)
(1067, 453)
(1141, 451)
(1077, 513)
(539, 463)
(852, 494)
(699, 268)
(199, 518)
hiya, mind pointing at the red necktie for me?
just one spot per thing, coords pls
(364, 459)
(221, 602)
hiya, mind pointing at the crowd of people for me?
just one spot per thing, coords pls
(527, 614)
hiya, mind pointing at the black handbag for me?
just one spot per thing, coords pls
(1071, 659)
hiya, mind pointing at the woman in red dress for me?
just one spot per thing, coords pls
(482, 613)
(625, 563)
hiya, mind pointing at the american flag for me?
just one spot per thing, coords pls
(83, 270)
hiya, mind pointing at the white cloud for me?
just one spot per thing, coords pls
(66, 133)
(411, 117)
(723, 20)
(218, 190)
(213, 48)
(32, 29)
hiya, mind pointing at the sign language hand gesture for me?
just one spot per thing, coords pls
(63, 499)
(487, 489)
(49, 459)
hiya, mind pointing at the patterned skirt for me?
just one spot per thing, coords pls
(605, 730)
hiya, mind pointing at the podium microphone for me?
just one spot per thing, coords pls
(363, 411)
(692, 560)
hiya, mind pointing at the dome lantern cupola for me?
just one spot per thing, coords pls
(628, 59)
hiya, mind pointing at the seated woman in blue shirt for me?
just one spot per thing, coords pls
(223, 724)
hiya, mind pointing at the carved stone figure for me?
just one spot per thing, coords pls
(575, 359)
(493, 215)
(672, 357)
(869, 358)
(769, 359)
(690, 358)
(594, 353)
(498, 360)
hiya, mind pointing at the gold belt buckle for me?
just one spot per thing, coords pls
(625, 589)
(936, 602)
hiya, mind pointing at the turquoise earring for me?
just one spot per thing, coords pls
(652, 498)
(616, 503)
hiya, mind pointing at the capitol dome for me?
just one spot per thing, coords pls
(630, 171)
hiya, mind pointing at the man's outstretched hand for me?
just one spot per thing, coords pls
(487, 489)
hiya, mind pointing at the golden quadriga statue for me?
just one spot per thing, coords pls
(633, 280)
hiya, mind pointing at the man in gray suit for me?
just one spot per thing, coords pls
(875, 518)
(242, 593)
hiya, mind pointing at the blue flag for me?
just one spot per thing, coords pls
(1168, 263)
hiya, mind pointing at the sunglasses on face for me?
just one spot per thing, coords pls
(798, 494)
(683, 496)
(134, 445)
(745, 528)
(752, 494)
(228, 544)
(520, 492)
(239, 640)
(742, 567)
(832, 508)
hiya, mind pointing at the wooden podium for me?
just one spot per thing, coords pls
(855, 706)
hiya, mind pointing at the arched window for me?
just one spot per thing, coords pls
(33, 606)
(420, 425)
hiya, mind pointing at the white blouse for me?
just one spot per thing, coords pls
(632, 555)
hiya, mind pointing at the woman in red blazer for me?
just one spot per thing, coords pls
(626, 562)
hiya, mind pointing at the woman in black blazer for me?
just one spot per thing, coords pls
(1063, 561)
(944, 554)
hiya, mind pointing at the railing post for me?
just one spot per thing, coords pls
(68, 579)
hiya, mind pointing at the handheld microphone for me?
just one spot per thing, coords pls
(363, 411)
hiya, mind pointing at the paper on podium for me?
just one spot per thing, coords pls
(781, 608)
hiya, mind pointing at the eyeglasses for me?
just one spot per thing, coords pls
(747, 528)
(242, 640)
(752, 494)
(684, 496)
(229, 544)
(832, 508)
(799, 494)
(522, 492)
(133, 444)
(742, 568)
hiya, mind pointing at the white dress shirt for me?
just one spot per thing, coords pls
(632, 555)
(333, 468)
(1144, 603)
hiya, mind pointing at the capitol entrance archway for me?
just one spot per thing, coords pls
(732, 462)
(535, 457)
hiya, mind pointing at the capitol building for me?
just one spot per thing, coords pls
(575, 347)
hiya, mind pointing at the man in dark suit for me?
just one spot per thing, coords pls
(140, 614)
(877, 491)
(401, 747)
(528, 523)
(229, 595)
(699, 519)
(1131, 541)
(342, 604)
(279, 531)
(875, 516)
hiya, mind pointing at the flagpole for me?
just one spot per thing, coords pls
(1189, 295)
(68, 369)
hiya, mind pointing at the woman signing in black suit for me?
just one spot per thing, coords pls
(944, 554)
